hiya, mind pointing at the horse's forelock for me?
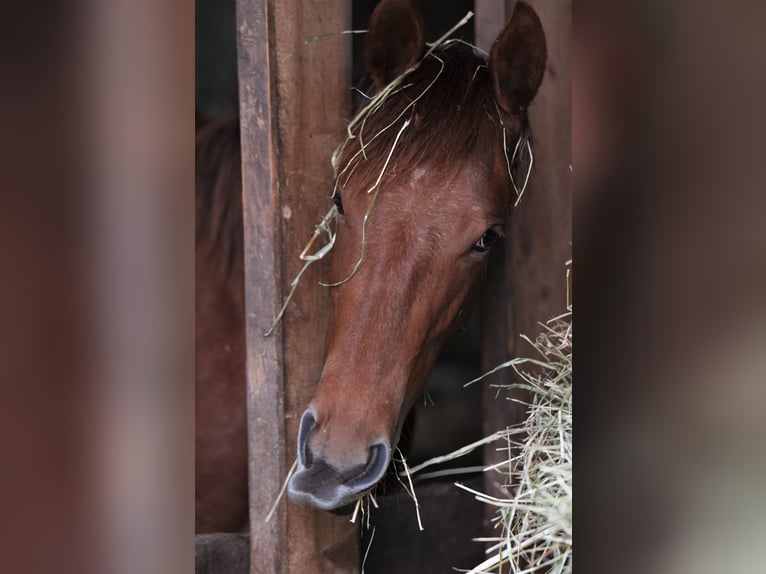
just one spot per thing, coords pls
(454, 119)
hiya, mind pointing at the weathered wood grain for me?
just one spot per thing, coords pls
(292, 107)
(489, 18)
(526, 283)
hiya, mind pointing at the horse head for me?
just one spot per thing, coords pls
(423, 187)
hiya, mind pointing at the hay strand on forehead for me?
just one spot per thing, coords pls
(376, 187)
(473, 47)
(377, 100)
(375, 103)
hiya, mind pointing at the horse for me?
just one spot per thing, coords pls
(422, 191)
(221, 487)
(424, 182)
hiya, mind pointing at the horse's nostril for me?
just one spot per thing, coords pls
(375, 453)
(328, 487)
(307, 424)
(374, 469)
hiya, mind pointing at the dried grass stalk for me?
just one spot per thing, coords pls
(536, 517)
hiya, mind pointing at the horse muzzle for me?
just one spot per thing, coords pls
(327, 486)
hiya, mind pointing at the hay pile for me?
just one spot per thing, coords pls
(536, 517)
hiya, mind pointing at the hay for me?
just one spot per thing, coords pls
(369, 545)
(521, 144)
(322, 227)
(376, 188)
(411, 490)
(535, 518)
(282, 490)
(363, 505)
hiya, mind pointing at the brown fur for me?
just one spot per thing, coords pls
(220, 437)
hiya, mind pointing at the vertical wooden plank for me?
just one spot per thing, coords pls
(313, 82)
(489, 18)
(541, 228)
(293, 101)
(528, 285)
(263, 277)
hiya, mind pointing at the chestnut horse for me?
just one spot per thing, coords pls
(422, 191)
(418, 210)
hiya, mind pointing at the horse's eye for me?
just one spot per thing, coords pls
(486, 241)
(338, 202)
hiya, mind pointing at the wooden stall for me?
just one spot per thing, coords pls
(293, 102)
(526, 283)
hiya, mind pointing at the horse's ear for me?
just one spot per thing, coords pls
(517, 60)
(394, 39)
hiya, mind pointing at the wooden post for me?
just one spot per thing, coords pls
(526, 283)
(489, 19)
(293, 101)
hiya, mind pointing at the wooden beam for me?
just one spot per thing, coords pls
(489, 18)
(527, 284)
(293, 101)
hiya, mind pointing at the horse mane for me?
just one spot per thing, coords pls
(218, 196)
(454, 117)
